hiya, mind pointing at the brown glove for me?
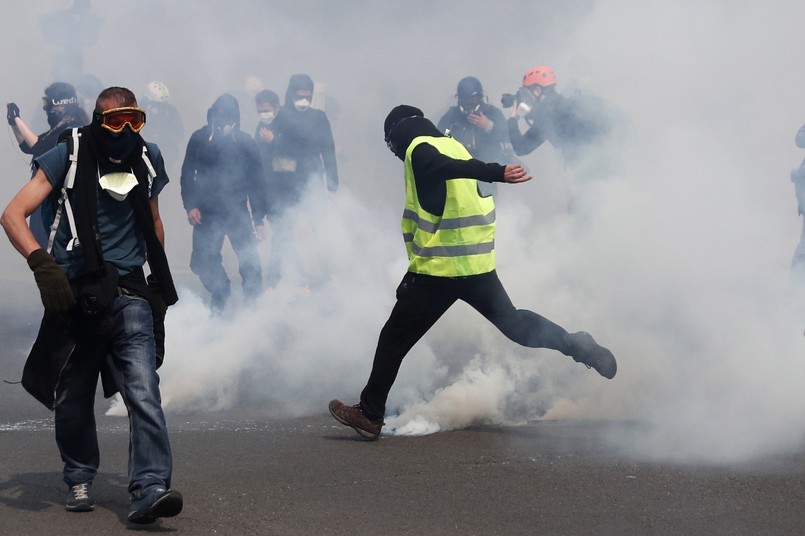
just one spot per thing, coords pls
(54, 288)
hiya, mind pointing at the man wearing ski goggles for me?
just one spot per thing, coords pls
(116, 119)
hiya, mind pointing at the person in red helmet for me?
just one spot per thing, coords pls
(580, 128)
(550, 117)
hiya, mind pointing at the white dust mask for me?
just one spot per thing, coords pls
(118, 185)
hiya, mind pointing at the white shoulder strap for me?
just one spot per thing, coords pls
(64, 199)
(151, 171)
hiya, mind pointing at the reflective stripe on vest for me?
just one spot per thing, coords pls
(461, 241)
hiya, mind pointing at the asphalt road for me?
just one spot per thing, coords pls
(243, 472)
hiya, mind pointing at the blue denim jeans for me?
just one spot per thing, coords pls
(124, 342)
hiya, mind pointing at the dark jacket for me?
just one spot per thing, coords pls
(304, 140)
(486, 146)
(431, 168)
(222, 174)
(570, 125)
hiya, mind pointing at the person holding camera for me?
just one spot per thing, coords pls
(478, 125)
(101, 313)
(224, 194)
(579, 128)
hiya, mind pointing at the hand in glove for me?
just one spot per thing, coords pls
(12, 113)
(54, 288)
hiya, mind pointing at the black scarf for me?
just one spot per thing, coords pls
(85, 210)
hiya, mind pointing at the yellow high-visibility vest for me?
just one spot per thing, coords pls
(461, 241)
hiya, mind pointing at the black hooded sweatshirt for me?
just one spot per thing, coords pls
(431, 168)
(222, 172)
(305, 137)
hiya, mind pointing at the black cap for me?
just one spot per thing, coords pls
(469, 86)
(397, 114)
(60, 93)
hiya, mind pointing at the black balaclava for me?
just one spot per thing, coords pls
(403, 124)
(224, 111)
(297, 82)
(118, 146)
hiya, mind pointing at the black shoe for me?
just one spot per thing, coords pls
(584, 349)
(159, 503)
(79, 498)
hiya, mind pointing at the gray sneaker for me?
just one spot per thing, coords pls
(79, 498)
(158, 503)
(354, 417)
(584, 349)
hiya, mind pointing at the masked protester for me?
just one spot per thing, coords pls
(478, 125)
(63, 111)
(101, 314)
(449, 233)
(303, 161)
(223, 191)
(165, 127)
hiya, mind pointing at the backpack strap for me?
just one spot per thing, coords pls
(63, 204)
(151, 171)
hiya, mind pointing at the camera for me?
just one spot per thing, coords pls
(507, 100)
(524, 100)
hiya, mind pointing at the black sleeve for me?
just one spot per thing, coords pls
(328, 154)
(524, 143)
(430, 165)
(258, 199)
(187, 180)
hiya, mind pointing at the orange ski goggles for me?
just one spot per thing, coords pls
(116, 119)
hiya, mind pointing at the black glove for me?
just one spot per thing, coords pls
(12, 113)
(54, 288)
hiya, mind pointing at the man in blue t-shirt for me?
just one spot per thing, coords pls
(101, 186)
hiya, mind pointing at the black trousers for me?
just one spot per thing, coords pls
(422, 300)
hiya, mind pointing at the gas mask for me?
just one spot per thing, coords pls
(227, 129)
(470, 109)
(266, 117)
(302, 104)
(118, 185)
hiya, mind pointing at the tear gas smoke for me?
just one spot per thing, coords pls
(679, 265)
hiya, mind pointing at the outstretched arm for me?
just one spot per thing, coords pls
(515, 173)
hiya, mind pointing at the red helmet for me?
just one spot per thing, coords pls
(540, 75)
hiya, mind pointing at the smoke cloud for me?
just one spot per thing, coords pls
(679, 263)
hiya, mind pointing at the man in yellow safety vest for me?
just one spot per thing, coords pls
(449, 232)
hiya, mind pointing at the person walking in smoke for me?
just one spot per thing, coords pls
(223, 192)
(303, 163)
(60, 103)
(449, 232)
(798, 178)
(280, 192)
(101, 314)
(165, 126)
